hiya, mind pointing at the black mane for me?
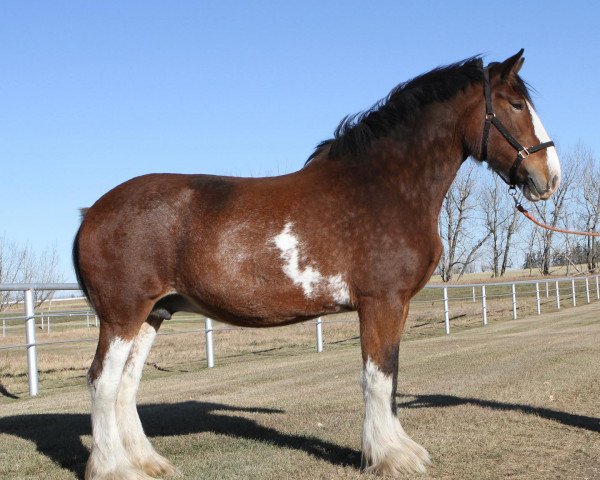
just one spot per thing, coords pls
(355, 133)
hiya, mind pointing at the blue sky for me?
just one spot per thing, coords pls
(94, 93)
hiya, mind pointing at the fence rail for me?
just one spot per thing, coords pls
(584, 286)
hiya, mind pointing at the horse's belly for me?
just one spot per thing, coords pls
(262, 300)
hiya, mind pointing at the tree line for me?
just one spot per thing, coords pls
(21, 264)
(482, 230)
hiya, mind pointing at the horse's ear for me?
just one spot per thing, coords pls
(511, 65)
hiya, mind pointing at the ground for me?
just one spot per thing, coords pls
(516, 399)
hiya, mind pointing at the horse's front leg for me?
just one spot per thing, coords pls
(386, 448)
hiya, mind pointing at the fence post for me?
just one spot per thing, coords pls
(514, 301)
(474, 298)
(42, 317)
(587, 290)
(4, 327)
(573, 290)
(557, 295)
(537, 298)
(547, 289)
(32, 371)
(319, 328)
(597, 287)
(483, 305)
(446, 312)
(210, 355)
(48, 322)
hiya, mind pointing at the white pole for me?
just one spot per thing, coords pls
(319, 328)
(446, 312)
(483, 305)
(474, 300)
(210, 355)
(514, 301)
(537, 298)
(42, 317)
(547, 289)
(4, 327)
(597, 288)
(587, 290)
(557, 296)
(96, 318)
(48, 322)
(32, 371)
(573, 290)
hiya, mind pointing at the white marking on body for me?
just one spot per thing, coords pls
(108, 458)
(232, 251)
(542, 136)
(136, 444)
(386, 447)
(308, 278)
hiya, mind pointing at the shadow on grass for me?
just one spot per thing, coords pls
(57, 435)
(437, 400)
(5, 393)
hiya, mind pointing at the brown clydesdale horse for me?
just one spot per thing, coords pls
(355, 229)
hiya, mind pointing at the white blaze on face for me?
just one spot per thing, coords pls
(542, 136)
(308, 278)
(385, 445)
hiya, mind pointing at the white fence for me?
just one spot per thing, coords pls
(586, 287)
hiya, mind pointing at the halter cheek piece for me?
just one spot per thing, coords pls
(491, 119)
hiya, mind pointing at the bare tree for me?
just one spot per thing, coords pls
(12, 263)
(19, 264)
(501, 221)
(455, 226)
(588, 201)
(552, 211)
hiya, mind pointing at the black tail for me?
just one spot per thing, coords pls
(80, 280)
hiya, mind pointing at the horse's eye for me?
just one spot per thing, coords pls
(517, 105)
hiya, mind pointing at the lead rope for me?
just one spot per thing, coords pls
(512, 191)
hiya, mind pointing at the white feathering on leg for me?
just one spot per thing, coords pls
(136, 444)
(108, 460)
(386, 448)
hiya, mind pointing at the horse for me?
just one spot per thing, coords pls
(355, 229)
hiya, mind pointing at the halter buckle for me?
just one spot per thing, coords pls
(523, 153)
(512, 191)
(489, 116)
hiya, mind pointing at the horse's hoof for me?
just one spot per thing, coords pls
(404, 456)
(159, 466)
(94, 471)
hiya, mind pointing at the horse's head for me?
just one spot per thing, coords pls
(512, 138)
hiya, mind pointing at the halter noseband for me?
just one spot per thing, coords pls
(491, 119)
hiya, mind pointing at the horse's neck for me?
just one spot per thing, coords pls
(417, 166)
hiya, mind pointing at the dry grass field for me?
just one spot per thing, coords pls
(516, 399)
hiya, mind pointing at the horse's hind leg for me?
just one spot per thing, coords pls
(108, 459)
(136, 444)
(386, 448)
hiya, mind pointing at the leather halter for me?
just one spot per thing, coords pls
(491, 119)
